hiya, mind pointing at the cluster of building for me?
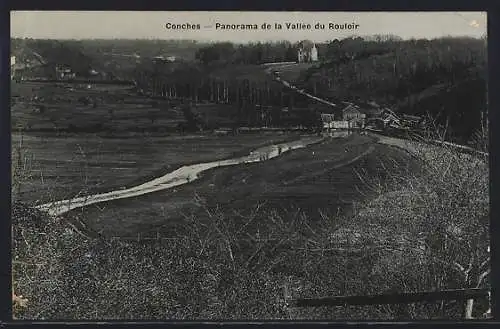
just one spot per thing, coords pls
(22, 71)
(351, 116)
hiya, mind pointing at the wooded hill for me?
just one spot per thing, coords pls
(443, 77)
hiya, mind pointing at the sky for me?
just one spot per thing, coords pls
(152, 25)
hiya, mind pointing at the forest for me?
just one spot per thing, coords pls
(444, 78)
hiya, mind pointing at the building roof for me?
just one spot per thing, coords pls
(390, 117)
(351, 108)
(389, 111)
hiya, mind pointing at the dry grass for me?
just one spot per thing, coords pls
(441, 219)
(424, 231)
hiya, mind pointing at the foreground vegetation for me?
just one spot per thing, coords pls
(425, 231)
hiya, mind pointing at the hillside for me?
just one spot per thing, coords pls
(443, 77)
(246, 260)
(54, 52)
(115, 57)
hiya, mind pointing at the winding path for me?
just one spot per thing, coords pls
(181, 176)
(289, 85)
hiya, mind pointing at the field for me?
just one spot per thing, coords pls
(322, 178)
(103, 109)
(64, 167)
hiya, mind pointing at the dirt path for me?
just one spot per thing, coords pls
(181, 176)
(287, 84)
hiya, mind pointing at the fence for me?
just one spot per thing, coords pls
(394, 298)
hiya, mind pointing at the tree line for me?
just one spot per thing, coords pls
(444, 77)
(251, 53)
(256, 102)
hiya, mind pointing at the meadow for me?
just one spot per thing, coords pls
(322, 179)
(57, 168)
(71, 140)
(215, 261)
(105, 109)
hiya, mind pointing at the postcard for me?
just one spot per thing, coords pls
(224, 166)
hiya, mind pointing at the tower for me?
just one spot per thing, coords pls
(314, 53)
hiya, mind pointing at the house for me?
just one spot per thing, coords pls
(327, 119)
(307, 52)
(329, 122)
(64, 72)
(352, 114)
(162, 59)
(12, 66)
(390, 119)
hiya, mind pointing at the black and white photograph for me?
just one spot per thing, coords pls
(222, 166)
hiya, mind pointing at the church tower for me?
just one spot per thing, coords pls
(314, 53)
